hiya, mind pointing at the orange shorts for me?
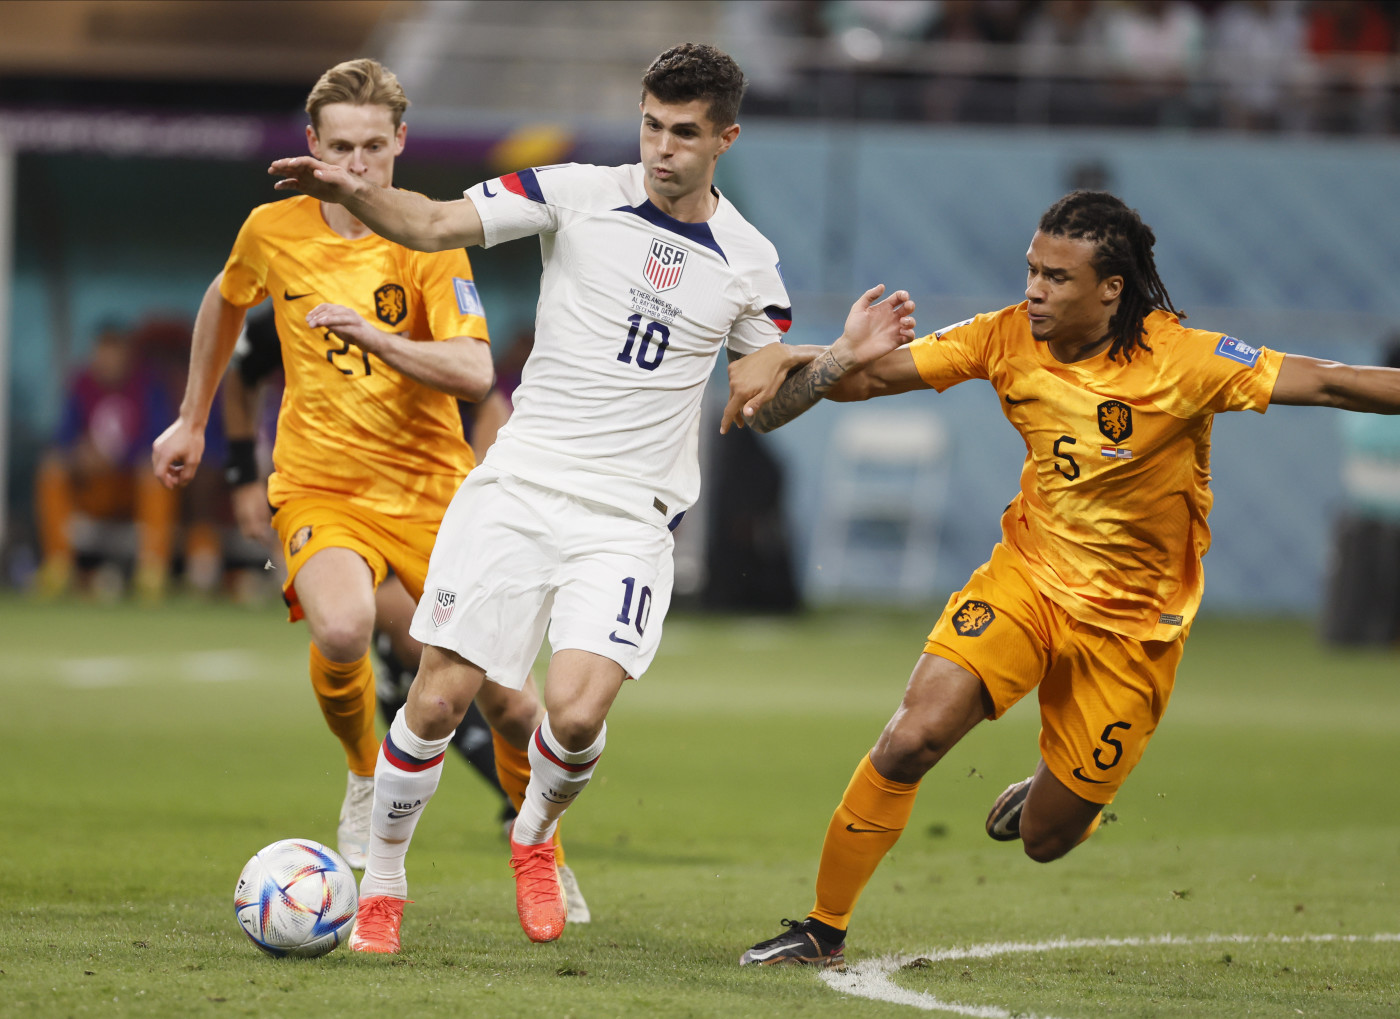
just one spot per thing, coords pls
(1101, 693)
(307, 525)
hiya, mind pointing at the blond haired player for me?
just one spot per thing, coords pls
(378, 342)
(1091, 592)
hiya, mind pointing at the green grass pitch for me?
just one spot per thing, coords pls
(149, 752)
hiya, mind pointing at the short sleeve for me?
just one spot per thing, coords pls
(1218, 373)
(519, 205)
(449, 295)
(768, 315)
(245, 272)
(954, 354)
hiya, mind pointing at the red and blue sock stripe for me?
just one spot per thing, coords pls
(405, 761)
(554, 755)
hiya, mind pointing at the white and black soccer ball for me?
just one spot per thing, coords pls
(296, 897)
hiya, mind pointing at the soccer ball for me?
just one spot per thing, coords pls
(296, 897)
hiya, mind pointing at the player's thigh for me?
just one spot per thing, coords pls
(307, 527)
(942, 703)
(336, 590)
(997, 628)
(614, 589)
(490, 582)
(1100, 705)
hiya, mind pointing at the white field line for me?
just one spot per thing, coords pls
(124, 670)
(872, 977)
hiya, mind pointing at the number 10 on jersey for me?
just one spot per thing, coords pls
(655, 339)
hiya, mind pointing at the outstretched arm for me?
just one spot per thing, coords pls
(404, 217)
(1312, 382)
(177, 452)
(873, 329)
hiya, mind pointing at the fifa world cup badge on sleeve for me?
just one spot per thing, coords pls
(1237, 351)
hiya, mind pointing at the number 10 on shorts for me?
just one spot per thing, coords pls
(629, 588)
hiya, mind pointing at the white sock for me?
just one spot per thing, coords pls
(556, 777)
(405, 778)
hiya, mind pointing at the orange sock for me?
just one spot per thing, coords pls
(513, 772)
(345, 691)
(870, 819)
(512, 768)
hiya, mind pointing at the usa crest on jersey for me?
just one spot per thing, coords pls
(664, 265)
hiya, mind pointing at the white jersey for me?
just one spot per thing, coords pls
(634, 307)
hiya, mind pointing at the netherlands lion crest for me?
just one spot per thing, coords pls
(972, 618)
(391, 304)
(299, 539)
(1115, 420)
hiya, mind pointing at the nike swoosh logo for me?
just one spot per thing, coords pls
(1028, 399)
(866, 831)
(288, 296)
(407, 813)
(620, 640)
(1085, 778)
(486, 190)
(753, 956)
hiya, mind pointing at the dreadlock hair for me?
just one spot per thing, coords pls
(697, 71)
(1123, 247)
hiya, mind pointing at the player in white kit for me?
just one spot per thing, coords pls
(648, 272)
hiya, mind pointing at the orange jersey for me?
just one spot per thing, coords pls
(350, 425)
(1111, 516)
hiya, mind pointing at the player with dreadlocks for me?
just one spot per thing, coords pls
(1091, 592)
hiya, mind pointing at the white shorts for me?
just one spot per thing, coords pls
(512, 557)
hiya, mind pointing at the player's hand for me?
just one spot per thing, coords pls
(875, 327)
(176, 454)
(755, 378)
(251, 512)
(347, 324)
(312, 177)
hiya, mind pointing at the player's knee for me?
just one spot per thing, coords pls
(343, 640)
(341, 643)
(910, 746)
(1046, 844)
(515, 717)
(574, 727)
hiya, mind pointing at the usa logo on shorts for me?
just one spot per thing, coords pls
(443, 605)
(665, 263)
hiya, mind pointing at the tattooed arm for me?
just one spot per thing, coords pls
(872, 330)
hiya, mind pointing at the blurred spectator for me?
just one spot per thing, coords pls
(1059, 36)
(1363, 588)
(98, 468)
(1256, 48)
(1157, 45)
(1351, 39)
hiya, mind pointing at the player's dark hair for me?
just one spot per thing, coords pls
(693, 71)
(362, 82)
(1123, 247)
